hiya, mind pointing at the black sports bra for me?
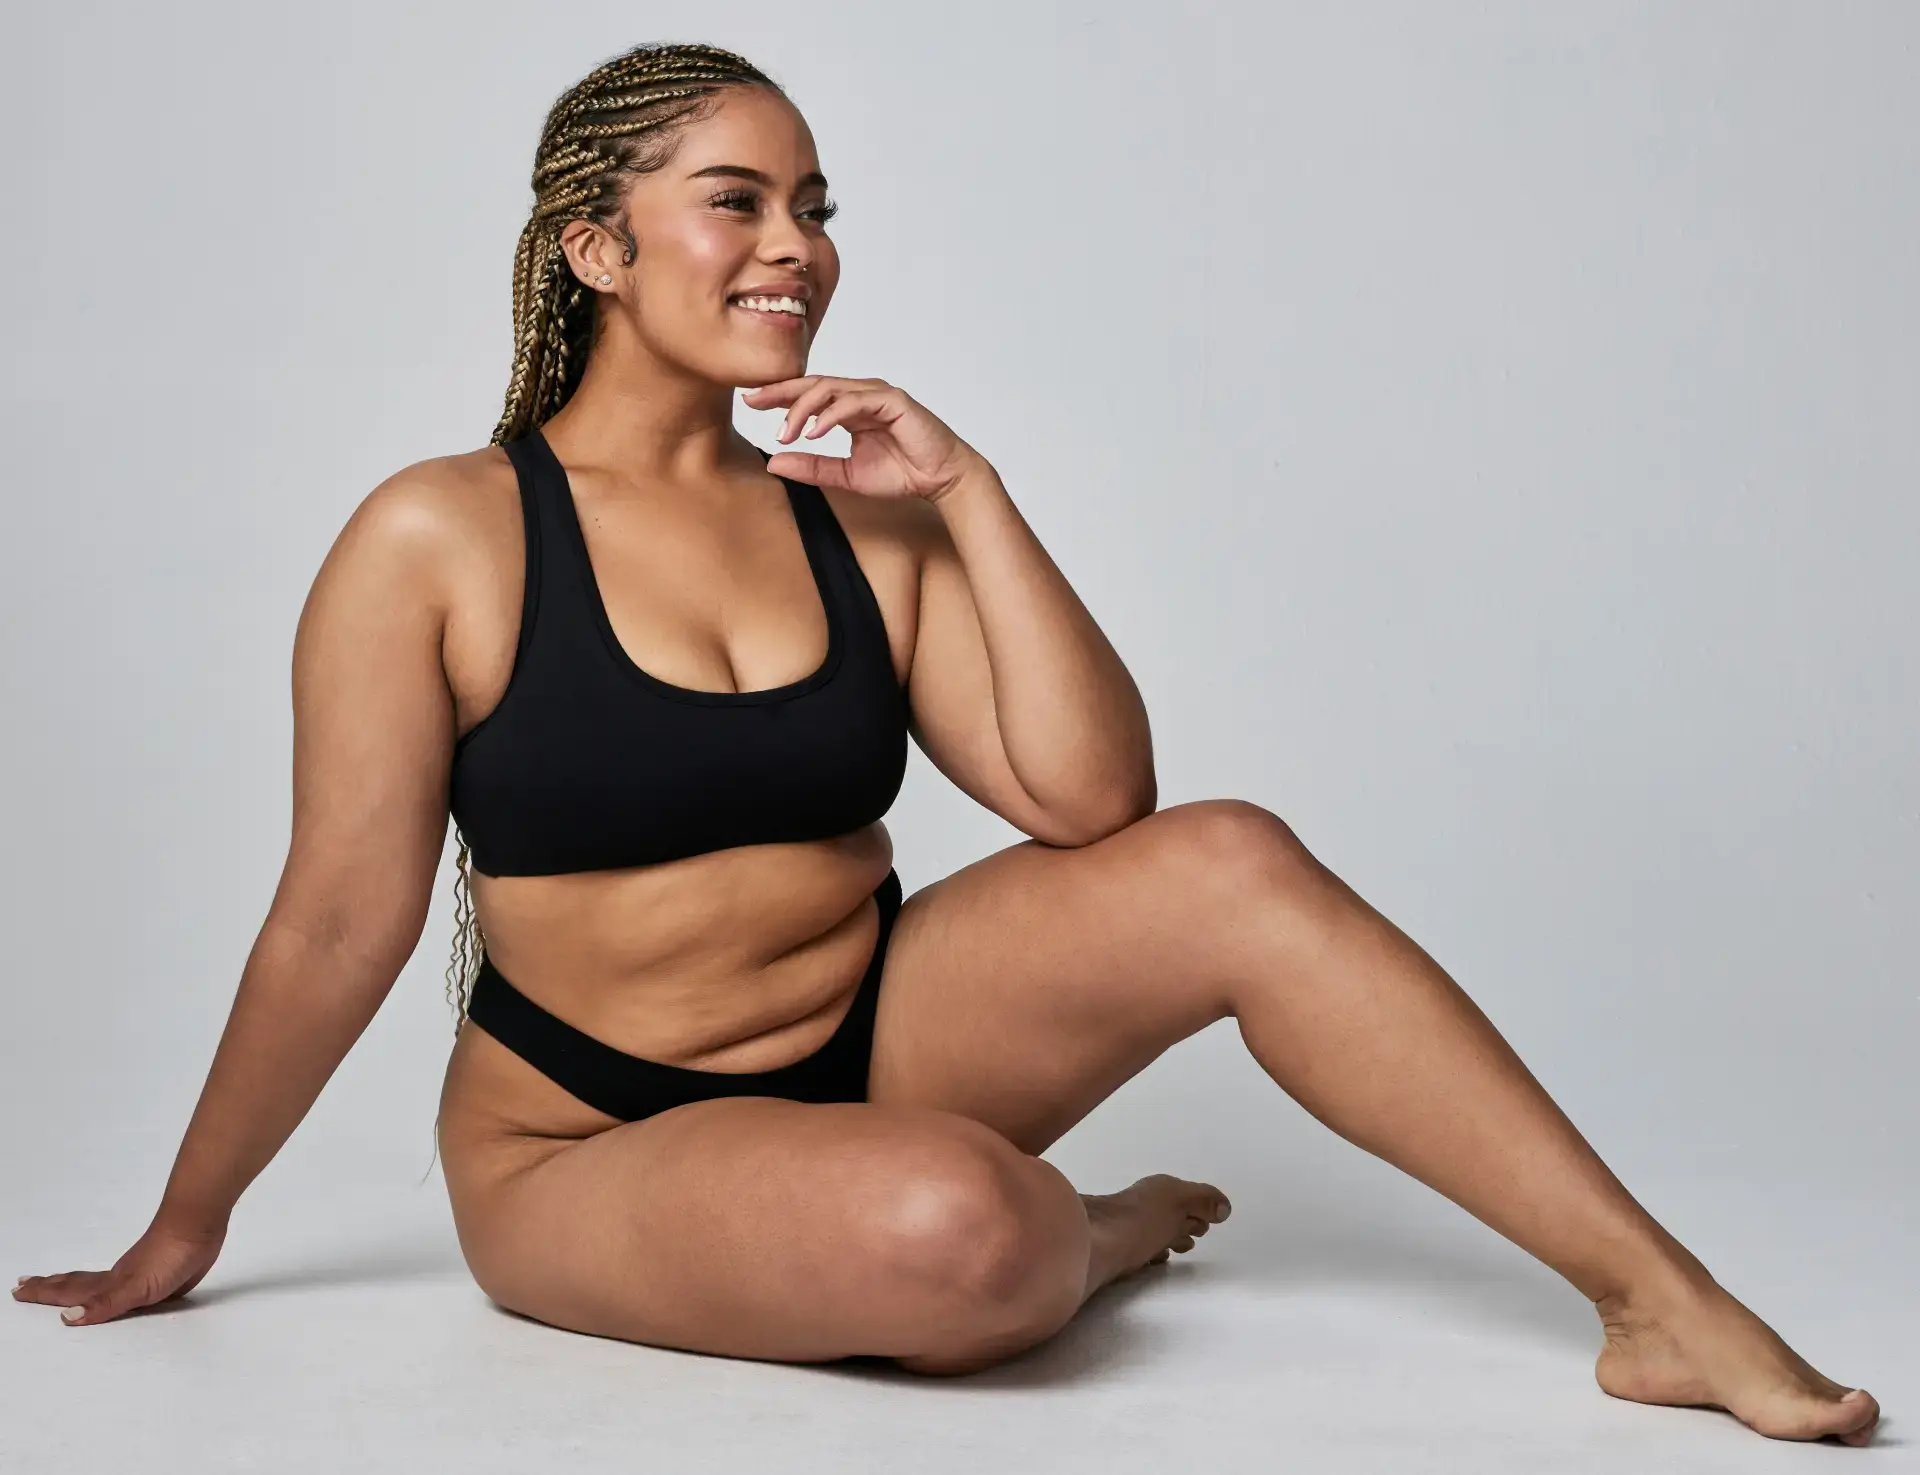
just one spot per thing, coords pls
(589, 763)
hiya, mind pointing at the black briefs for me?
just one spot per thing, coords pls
(628, 1087)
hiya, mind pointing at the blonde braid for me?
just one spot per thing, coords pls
(618, 120)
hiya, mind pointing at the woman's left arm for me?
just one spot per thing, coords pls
(1016, 694)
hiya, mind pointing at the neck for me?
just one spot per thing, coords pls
(645, 418)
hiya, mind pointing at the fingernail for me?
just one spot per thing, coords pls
(21, 1281)
(71, 1314)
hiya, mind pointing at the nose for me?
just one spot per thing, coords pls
(784, 242)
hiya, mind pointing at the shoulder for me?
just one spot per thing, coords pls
(439, 499)
(437, 507)
(421, 529)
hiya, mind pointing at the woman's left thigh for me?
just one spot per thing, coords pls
(1028, 987)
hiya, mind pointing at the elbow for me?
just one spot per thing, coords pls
(1135, 802)
(367, 938)
(1103, 814)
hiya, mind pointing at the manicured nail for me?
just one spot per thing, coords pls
(21, 1281)
(71, 1314)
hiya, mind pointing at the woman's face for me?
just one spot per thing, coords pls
(739, 211)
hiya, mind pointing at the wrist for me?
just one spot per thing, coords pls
(193, 1222)
(975, 477)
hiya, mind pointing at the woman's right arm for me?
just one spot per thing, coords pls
(373, 734)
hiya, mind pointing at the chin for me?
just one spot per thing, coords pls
(769, 373)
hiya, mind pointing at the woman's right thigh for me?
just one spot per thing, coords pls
(757, 1227)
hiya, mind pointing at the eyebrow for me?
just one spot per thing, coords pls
(741, 171)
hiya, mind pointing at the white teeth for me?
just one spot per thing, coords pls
(774, 304)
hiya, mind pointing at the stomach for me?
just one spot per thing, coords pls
(738, 960)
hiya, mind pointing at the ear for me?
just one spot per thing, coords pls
(592, 253)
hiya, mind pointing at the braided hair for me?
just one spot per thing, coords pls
(621, 119)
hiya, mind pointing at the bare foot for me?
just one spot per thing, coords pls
(1159, 1216)
(1701, 1347)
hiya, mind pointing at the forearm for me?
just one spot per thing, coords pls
(300, 1006)
(1071, 720)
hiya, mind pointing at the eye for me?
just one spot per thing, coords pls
(746, 199)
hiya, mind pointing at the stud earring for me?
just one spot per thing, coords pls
(605, 279)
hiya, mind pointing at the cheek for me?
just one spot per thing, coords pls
(682, 294)
(702, 263)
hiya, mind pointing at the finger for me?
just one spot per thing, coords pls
(829, 472)
(801, 410)
(779, 392)
(812, 401)
(851, 407)
(58, 1290)
(112, 1301)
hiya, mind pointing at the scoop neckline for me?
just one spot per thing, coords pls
(597, 607)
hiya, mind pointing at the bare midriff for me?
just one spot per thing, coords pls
(735, 961)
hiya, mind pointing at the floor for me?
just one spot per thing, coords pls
(1370, 1328)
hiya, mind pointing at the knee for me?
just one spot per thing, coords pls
(1236, 850)
(993, 1242)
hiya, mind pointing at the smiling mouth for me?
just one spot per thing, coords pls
(781, 312)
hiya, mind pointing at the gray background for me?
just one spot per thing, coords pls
(1488, 432)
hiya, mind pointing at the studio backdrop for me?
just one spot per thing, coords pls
(1487, 432)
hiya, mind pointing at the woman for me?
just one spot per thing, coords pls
(719, 1086)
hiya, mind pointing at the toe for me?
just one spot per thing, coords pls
(1863, 1413)
(1850, 1418)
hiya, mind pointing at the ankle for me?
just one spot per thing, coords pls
(1658, 1288)
(1642, 1268)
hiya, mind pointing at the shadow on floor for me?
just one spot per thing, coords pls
(1264, 1251)
(373, 1265)
(1459, 1287)
(1493, 1286)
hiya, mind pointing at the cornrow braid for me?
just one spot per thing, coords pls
(619, 120)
